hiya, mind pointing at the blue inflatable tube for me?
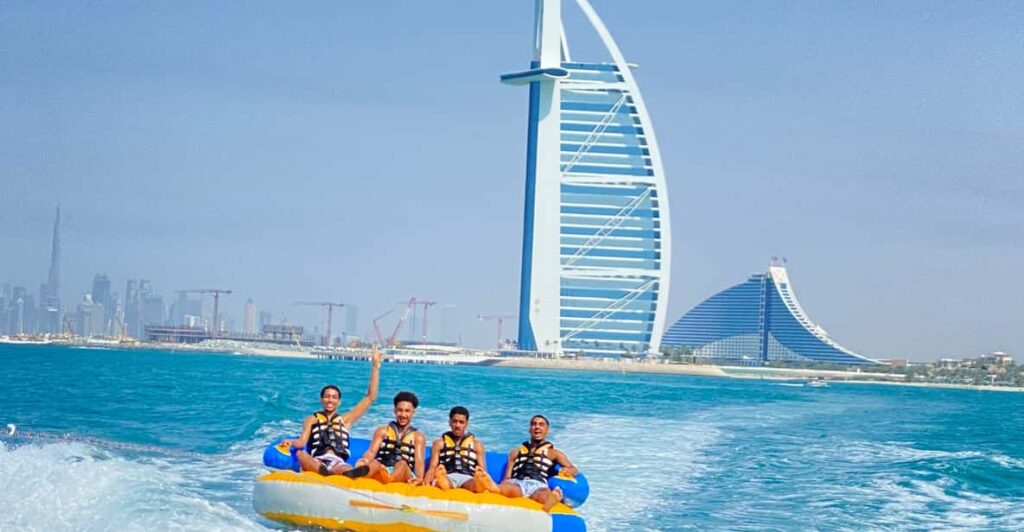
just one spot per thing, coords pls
(575, 491)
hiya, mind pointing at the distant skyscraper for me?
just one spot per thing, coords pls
(90, 319)
(50, 301)
(153, 311)
(19, 316)
(596, 242)
(132, 308)
(5, 304)
(266, 318)
(250, 317)
(101, 296)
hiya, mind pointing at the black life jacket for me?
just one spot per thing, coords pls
(398, 445)
(534, 461)
(458, 455)
(329, 433)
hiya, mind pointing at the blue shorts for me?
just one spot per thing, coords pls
(528, 486)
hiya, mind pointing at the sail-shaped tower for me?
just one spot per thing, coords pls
(596, 236)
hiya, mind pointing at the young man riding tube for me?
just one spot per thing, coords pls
(327, 431)
(530, 465)
(396, 452)
(458, 459)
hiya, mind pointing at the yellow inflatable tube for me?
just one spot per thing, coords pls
(341, 503)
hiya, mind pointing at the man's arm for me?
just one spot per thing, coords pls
(371, 392)
(371, 451)
(481, 455)
(435, 456)
(307, 428)
(421, 454)
(568, 469)
(511, 459)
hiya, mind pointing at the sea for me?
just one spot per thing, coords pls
(158, 440)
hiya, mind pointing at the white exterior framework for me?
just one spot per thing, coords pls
(596, 240)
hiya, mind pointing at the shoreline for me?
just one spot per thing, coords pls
(740, 372)
(608, 366)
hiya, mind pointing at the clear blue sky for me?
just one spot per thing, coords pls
(365, 151)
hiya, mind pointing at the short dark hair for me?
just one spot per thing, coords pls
(407, 396)
(535, 416)
(330, 387)
(456, 410)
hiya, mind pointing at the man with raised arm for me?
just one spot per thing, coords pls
(459, 459)
(530, 465)
(327, 431)
(396, 452)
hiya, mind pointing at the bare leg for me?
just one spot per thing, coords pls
(307, 462)
(441, 479)
(549, 498)
(402, 472)
(509, 489)
(378, 472)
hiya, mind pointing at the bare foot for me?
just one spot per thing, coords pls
(554, 497)
(483, 482)
(441, 479)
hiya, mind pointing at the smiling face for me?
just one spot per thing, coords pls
(330, 398)
(403, 413)
(458, 424)
(538, 428)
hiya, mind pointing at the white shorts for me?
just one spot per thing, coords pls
(458, 479)
(528, 486)
(330, 460)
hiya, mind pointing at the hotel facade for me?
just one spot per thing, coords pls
(757, 321)
(596, 240)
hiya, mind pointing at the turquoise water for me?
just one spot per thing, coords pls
(661, 452)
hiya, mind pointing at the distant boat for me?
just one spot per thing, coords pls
(23, 340)
(816, 383)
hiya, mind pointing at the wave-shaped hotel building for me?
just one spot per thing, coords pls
(596, 241)
(757, 321)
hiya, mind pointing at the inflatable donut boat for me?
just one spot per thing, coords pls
(339, 503)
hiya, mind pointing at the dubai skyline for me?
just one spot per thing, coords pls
(193, 162)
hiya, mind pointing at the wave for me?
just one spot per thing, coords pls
(636, 467)
(74, 486)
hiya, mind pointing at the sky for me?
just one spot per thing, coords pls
(365, 152)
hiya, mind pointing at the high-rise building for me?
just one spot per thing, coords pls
(101, 296)
(153, 311)
(5, 303)
(51, 311)
(250, 317)
(90, 318)
(21, 312)
(132, 309)
(266, 318)
(757, 321)
(596, 241)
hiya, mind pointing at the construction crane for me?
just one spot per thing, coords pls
(330, 311)
(499, 319)
(426, 307)
(216, 303)
(376, 328)
(393, 339)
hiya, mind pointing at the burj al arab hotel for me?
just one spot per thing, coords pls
(596, 236)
